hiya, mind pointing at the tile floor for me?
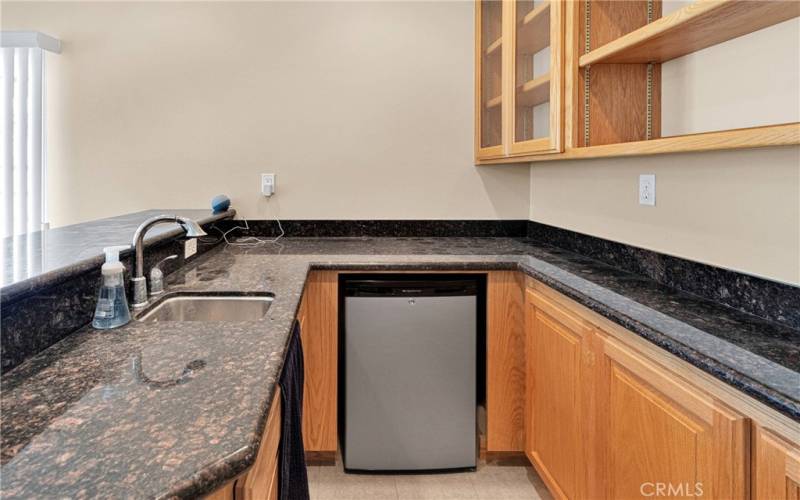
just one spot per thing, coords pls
(490, 482)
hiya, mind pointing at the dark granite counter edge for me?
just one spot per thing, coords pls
(19, 289)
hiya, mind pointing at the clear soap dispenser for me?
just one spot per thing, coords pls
(112, 305)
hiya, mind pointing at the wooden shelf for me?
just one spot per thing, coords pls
(699, 25)
(533, 32)
(534, 91)
(494, 102)
(756, 137)
(494, 47)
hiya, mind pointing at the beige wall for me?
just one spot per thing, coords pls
(364, 110)
(750, 81)
(735, 209)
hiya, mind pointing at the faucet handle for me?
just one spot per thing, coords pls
(157, 276)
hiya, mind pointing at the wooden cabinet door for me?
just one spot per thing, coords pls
(556, 409)
(661, 437)
(776, 466)
(535, 83)
(319, 335)
(490, 101)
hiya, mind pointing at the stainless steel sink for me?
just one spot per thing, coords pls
(216, 307)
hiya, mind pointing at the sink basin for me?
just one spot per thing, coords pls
(209, 307)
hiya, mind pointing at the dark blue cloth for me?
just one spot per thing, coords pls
(293, 481)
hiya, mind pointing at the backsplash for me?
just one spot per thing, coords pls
(761, 297)
(379, 228)
(767, 299)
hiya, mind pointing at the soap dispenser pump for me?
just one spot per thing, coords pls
(112, 305)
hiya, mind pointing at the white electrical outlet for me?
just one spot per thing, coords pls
(267, 184)
(189, 247)
(647, 189)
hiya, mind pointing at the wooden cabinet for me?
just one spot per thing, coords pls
(658, 433)
(776, 465)
(519, 77)
(607, 420)
(318, 315)
(604, 88)
(556, 344)
(260, 482)
(505, 362)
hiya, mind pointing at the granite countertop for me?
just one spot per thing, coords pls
(88, 416)
(38, 259)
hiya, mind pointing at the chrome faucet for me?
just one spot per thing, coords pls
(138, 281)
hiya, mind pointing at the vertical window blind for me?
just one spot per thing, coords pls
(23, 132)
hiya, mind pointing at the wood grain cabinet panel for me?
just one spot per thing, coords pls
(491, 52)
(505, 362)
(661, 437)
(776, 465)
(319, 335)
(519, 78)
(557, 407)
(261, 480)
(606, 418)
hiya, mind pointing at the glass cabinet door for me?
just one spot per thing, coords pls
(537, 69)
(489, 80)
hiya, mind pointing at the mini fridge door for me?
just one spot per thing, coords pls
(410, 377)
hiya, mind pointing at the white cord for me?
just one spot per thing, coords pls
(280, 227)
(245, 241)
(249, 241)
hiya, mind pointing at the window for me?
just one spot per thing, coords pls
(23, 133)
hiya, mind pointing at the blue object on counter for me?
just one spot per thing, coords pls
(220, 203)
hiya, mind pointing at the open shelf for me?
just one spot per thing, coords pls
(699, 25)
(533, 32)
(494, 102)
(494, 47)
(534, 92)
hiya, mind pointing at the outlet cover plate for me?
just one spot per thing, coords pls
(189, 248)
(267, 184)
(647, 189)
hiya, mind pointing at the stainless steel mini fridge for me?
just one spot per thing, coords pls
(409, 381)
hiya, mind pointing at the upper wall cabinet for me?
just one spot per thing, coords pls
(647, 76)
(519, 78)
